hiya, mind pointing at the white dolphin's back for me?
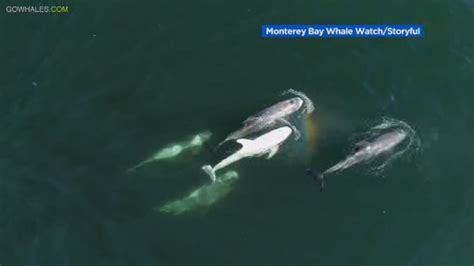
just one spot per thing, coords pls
(264, 142)
(268, 142)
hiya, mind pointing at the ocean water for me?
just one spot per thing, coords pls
(86, 95)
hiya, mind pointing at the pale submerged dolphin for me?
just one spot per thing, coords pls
(267, 118)
(266, 143)
(364, 151)
(203, 196)
(196, 142)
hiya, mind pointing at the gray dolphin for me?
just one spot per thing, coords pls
(267, 118)
(364, 151)
(202, 197)
(171, 151)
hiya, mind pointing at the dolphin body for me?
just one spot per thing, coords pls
(364, 151)
(176, 149)
(202, 197)
(266, 143)
(267, 118)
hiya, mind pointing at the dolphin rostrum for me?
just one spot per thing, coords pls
(364, 151)
(266, 143)
(267, 118)
(309, 106)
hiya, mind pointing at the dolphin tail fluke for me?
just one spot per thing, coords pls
(138, 165)
(210, 149)
(208, 169)
(318, 177)
(218, 145)
(320, 180)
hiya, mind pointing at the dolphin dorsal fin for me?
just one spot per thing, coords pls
(252, 119)
(362, 143)
(244, 142)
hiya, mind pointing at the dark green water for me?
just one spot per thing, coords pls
(85, 95)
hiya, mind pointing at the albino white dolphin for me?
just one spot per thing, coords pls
(266, 143)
